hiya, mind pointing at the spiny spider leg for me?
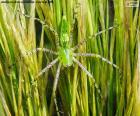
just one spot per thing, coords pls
(92, 36)
(44, 24)
(40, 49)
(96, 56)
(29, 53)
(89, 74)
(47, 67)
(82, 67)
(55, 86)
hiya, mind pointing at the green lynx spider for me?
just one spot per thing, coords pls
(66, 55)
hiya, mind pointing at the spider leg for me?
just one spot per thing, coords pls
(82, 67)
(39, 49)
(43, 24)
(47, 67)
(29, 53)
(53, 98)
(97, 56)
(92, 36)
(89, 74)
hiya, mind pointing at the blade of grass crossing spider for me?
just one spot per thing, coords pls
(53, 97)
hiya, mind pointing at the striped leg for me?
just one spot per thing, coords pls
(29, 53)
(47, 67)
(43, 24)
(53, 98)
(89, 74)
(92, 36)
(96, 56)
(39, 49)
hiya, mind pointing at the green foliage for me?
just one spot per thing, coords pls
(76, 95)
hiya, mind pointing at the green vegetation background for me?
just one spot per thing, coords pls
(75, 94)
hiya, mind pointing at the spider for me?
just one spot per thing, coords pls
(66, 55)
